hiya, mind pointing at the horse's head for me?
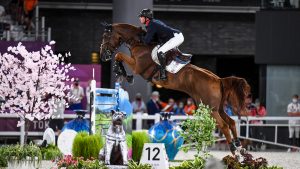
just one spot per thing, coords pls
(110, 42)
(116, 34)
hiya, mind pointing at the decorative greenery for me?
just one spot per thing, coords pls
(86, 145)
(70, 162)
(19, 154)
(3, 161)
(198, 163)
(129, 140)
(139, 138)
(51, 152)
(133, 165)
(199, 130)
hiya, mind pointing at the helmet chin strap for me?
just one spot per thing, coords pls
(147, 20)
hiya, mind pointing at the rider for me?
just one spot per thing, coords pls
(167, 36)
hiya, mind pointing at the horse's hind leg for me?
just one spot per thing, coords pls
(225, 130)
(231, 124)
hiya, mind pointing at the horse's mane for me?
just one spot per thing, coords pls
(129, 28)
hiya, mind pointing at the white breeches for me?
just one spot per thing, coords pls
(292, 130)
(172, 43)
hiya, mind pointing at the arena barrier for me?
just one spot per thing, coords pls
(274, 123)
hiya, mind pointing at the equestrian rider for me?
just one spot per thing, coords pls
(167, 36)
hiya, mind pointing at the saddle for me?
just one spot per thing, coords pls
(176, 54)
(175, 59)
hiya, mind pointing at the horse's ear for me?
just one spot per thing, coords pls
(107, 27)
(104, 23)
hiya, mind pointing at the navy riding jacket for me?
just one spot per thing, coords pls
(158, 29)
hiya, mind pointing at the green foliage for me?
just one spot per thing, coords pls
(199, 130)
(197, 163)
(129, 140)
(139, 138)
(127, 123)
(3, 161)
(18, 152)
(86, 145)
(134, 165)
(51, 152)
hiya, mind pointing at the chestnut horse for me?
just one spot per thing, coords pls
(202, 85)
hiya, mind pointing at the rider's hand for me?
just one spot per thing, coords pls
(141, 38)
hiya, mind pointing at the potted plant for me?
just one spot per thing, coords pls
(69, 162)
(139, 138)
(17, 156)
(86, 145)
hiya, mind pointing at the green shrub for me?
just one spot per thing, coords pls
(86, 145)
(51, 152)
(197, 163)
(134, 165)
(3, 161)
(139, 138)
(129, 140)
(199, 130)
(19, 153)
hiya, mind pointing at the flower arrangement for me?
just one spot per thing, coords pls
(69, 162)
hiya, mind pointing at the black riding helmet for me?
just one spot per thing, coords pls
(146, 13)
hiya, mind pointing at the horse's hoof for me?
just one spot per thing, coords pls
(243, 151)
(238, 157)
(130, 79)
(119, 78)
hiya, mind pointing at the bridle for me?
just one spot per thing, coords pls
(107, 51)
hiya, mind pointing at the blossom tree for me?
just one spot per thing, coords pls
(31, 82)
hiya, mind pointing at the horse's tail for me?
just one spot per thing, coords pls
(234, 92)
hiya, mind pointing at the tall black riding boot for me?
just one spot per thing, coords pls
(291, 141)
(162, 61)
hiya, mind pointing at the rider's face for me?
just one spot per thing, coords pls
(142, 20)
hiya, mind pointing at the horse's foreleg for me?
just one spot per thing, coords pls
(119, 67)
(127, 59)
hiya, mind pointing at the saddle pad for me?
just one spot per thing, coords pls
(173, 67)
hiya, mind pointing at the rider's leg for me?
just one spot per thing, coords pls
(172, 43)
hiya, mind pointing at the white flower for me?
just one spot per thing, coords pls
(20, 123)
(52, 42)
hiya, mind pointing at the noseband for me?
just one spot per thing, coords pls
(107, 50)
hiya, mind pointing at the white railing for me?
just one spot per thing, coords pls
(283, 123)
(21, 133)
(139, 117)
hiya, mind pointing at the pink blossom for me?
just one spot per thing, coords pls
(28, 78)
(20, 123)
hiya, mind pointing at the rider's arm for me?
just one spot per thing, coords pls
(149, 35)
